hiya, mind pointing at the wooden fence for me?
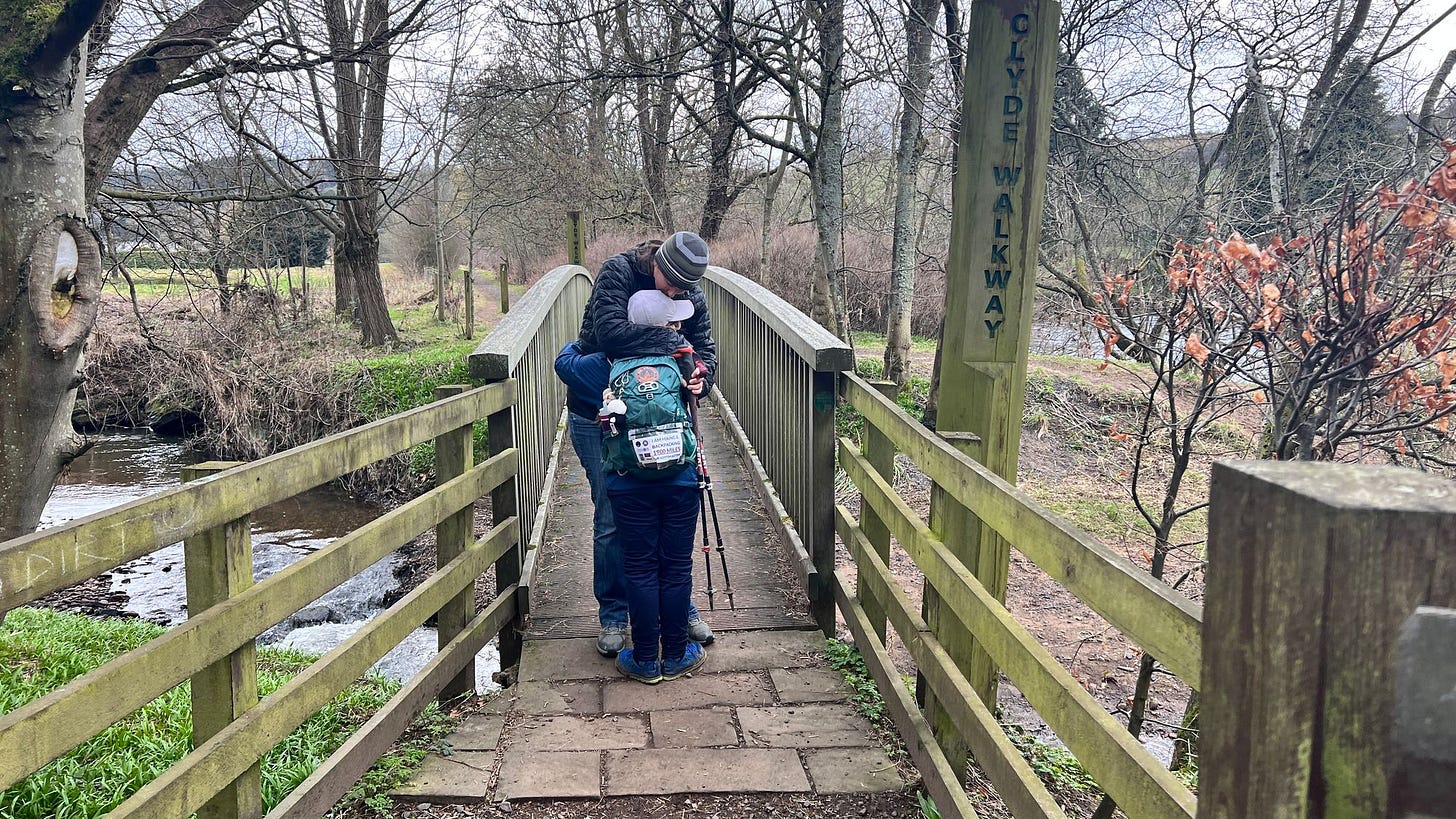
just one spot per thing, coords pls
(214, 647)
(1149, 613)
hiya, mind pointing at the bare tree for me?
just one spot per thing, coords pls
(50, 260)
(919, 28)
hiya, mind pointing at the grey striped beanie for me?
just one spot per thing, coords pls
(683, 259)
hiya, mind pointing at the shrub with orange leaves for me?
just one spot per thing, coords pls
(1345, 331)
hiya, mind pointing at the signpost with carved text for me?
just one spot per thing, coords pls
(1000, 177)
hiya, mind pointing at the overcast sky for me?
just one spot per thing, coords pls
(1441, 39)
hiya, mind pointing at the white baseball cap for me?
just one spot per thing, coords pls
(657, 308)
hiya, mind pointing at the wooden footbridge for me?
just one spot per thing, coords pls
(1311, 573)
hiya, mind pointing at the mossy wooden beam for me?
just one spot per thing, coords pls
(40, 731)
(219, 565)
(1119, 763)
(939, 777)
(1152, 614)
(184, 787)
(454, 456)
(40, 563)
(1312, 570)
(1016, 783)
(881, 455)
(315, 795)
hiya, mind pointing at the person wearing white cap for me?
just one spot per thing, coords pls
(672, 269)
(654, 308)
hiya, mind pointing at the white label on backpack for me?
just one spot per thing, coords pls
(657, 447)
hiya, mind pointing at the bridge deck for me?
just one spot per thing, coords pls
(764, 715)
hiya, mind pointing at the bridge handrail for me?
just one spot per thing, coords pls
(820, 349)
(214, 647)
(1150, 613)
(523, 347)
(778, 371)
(88, 546)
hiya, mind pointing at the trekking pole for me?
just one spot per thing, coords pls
(703, 514)
(707, 483)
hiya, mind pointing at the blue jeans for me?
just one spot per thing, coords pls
(658, 563)
(608, 583)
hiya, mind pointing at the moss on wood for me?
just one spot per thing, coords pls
(29, 23)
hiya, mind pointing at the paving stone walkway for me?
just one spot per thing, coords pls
(764, 715)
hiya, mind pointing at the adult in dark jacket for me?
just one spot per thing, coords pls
(674, 267)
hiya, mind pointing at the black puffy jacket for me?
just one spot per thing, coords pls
(605, 328)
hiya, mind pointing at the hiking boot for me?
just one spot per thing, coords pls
(649, 672)
(612, 639)
(691, 660)
(699, 632)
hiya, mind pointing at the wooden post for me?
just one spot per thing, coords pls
(219, 564)
(1312, 568)
(575, 239)
(996, 224)
(454, 456)
(1423, 734)
(820, 528)
(881, 455)
(947, 518)
(469, 284)
(505, 287)
(503, 504)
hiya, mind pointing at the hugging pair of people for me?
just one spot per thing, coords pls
(646, 341)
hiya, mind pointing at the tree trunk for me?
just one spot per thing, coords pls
(907, 166)
(827, 173)
(1426, 124)
(1259, 98)
(359, 88)
(955, 46)
(346, 301)
(770, 193)
(719, 197)
(50, 266)
(55, 151)
(360, 255)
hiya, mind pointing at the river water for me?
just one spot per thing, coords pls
(126, 465)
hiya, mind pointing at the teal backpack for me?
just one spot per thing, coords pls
(656, 433)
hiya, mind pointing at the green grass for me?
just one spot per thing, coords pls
(154, 283)
(850, 424)
(395, 382)
(41, 650)
(867, 340)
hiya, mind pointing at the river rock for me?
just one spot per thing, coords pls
(314, 616)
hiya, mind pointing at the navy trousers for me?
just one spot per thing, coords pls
(655, 527)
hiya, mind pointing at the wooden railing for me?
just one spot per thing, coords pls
(214, 647)
(1151, 614)
(778, 372)
(523, 347)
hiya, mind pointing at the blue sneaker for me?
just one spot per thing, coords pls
(649, 672)
(691, 660)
